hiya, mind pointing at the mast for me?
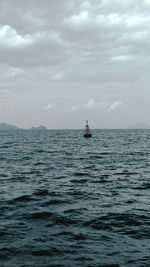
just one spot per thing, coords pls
(87, 129)
(87, 133)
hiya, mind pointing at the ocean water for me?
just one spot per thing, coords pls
(70, 201)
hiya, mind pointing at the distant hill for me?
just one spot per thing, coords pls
(141, 125)
(5, 126)
(43, 128)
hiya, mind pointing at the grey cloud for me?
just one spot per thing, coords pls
(31, 50)
(84, 26)
(66, 52)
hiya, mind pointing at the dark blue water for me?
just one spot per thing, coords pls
(70, 201)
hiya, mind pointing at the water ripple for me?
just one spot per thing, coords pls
(69, 201)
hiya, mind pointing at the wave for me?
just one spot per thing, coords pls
(69, 201)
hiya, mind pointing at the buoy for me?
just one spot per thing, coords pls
(87, 133)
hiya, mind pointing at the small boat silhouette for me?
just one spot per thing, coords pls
(87, 133)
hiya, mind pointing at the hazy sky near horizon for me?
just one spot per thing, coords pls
(65, 61)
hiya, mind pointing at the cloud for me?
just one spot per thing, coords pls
(122, 58)
(10, 38)
(89, 105)
(49, 106)
(105, 105)
(10, 72)
(58, 77)
(31, 49)
(36, 21)
(56, 32)
(112, 106)
(55, 49)
(115, 105)
(13, 72)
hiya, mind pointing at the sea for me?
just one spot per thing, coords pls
(70, 201)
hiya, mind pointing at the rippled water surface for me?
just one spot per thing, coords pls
(70, 201)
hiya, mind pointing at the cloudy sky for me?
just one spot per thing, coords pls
(65, 61)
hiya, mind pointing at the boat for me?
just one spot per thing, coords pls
(87, 133)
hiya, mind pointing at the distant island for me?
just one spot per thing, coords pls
(141, 125)
(5, 126)
(43, 128)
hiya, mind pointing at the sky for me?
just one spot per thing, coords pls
(65, 61)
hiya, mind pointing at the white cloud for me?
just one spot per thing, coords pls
(13, 72)
(79, 19)
(49, 106)
(90, 104)
(10, 38)
(58, 77)
(106, 106)
(122, 58)
(115, 105)
(7, 72)
(111, 106)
